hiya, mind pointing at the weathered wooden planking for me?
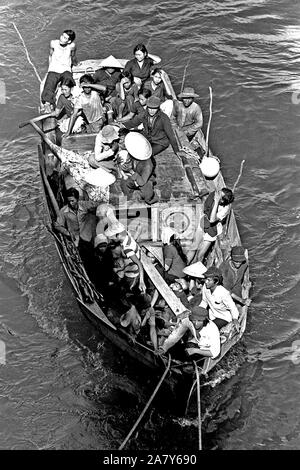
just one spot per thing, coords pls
(171, 179)
(172, 300)
(79, 142)
(192, 161)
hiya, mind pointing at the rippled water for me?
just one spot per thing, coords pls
(63, 387)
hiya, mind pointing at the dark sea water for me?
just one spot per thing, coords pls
(63, 386)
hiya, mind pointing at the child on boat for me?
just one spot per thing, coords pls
(216, 209)
(173, 256)
(126, 95)
(61, 59)
(88, 103)
(157, 86)
(138, 109)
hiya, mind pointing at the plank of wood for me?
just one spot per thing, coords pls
(79, 142)
(172, 300)
(156, 251)
(154, 224)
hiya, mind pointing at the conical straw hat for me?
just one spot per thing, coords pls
(195, 270)
(111, 62)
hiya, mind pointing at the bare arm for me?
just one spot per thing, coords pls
(141, 271)
(213, 215)
(126, 118)
(72, 121)
(51, 51)
(229, 303)
(94, 86)
(74, 60)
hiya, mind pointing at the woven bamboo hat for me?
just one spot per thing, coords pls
(188, 92)
(109, 134)
(195, 270)
(138, 146)
(111, 62)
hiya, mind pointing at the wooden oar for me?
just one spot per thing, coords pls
(146, 407)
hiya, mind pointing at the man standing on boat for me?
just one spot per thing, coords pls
(221, 307)
(61, 59)
(77, 220)
(188, 116)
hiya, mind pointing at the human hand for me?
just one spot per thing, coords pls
(237, 325)
(218, 195)
(142, 286)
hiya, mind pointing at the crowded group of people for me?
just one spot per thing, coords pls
(115, 99)
(131, 109)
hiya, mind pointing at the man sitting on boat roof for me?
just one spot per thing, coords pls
(204, 336)
(188, 116)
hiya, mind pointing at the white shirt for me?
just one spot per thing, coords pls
(210, 339)
(220, 304)
(61, 60)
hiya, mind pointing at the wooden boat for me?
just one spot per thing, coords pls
(180, 185)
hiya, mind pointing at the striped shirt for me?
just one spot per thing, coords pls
(130, 247)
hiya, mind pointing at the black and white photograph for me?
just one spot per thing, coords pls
(149, 215)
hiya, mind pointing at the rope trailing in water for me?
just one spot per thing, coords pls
(146, 407)
(199, 407)
(184, 73)
(190, 394)
(27, 54)
(209, 121)
(238, 178)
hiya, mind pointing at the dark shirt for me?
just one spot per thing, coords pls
(160, 91)
(141, 72)
(232, 277)
(66, 103)
(160, 132)
(174, 260)
(142, 171)
(102, 77)
(139, 113)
